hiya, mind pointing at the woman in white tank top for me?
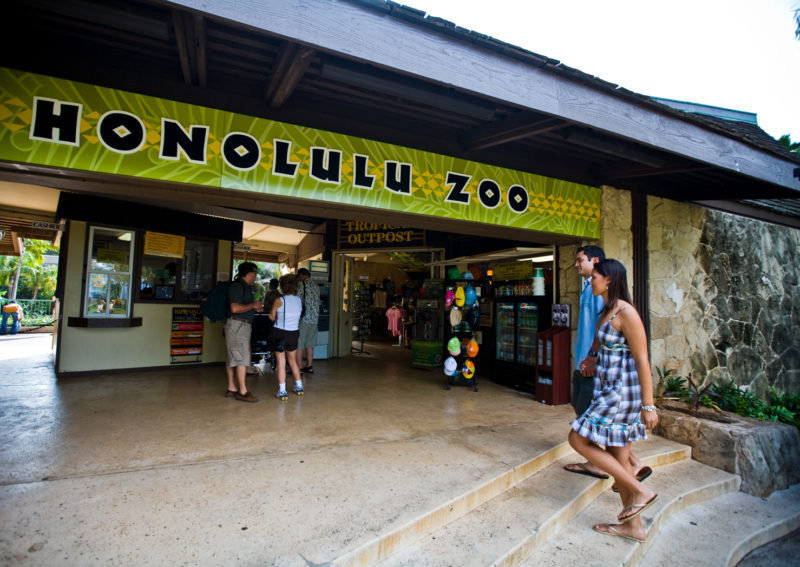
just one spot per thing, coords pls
(285, 315)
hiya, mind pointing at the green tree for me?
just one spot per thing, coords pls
(34, 280)
(787, 143)
(30, 261)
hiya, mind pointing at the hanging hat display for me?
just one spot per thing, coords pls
(460, 296)
(455, 316)
(462, 327)
(450, 366)
(468, 370)
(469, 295)
(473, 315)
(454, 346)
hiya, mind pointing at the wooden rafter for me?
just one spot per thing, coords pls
(190, 38)
(290, 65)
(516, 127)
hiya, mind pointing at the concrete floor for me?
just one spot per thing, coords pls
(159, 468)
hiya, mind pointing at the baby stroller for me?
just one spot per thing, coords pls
(261, 356)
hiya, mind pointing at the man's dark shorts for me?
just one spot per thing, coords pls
(582, 392)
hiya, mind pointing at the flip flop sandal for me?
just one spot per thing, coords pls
(635, 510)
(643, 473)
(580, 468)
(609, 529)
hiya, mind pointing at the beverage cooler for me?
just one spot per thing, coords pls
(517, 322)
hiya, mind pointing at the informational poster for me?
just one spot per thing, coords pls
(166, 245)
(186, 340)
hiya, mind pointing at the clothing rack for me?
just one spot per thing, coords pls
(361, 320)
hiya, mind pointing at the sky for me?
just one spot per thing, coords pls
(734, 54)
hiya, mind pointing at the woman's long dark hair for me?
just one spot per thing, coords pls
(617, 284)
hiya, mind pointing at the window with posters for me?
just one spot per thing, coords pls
(108, 278)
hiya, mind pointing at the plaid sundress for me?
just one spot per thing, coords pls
(613, 418)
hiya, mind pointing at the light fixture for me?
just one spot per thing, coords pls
(537, 259)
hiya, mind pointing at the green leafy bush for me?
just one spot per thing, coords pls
(670, 385)
(730, 397)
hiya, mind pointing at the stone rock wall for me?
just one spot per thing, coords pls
(724, 297)
(765, 454)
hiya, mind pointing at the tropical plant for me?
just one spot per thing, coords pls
(38, 280)
(30, 261)
(670, 384)
(786, 142)
(732, 398)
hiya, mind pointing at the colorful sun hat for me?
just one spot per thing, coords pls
(460, 296)
(468, 370)
(453, 274)
(455, 316)
(472, 348)
(467, 275)
(463, 327)
(469, 295)
(450, 366)
(454, 346)
(449, 297)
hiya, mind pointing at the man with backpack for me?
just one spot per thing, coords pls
(238, 329)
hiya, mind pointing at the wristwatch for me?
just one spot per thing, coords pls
(648, 408)
(593, 353)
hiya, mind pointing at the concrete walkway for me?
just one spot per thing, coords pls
(159, 468)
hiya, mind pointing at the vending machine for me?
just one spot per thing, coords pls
(319, 271)
(518, 319)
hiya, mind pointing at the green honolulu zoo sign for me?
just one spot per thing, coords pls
(59, 123)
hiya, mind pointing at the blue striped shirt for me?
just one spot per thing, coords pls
(588, 314)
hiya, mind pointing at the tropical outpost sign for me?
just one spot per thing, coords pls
(362, 234)
(60, 123)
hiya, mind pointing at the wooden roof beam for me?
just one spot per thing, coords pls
(626, 170)
(515, 127)
(190, 37)
(291, 63)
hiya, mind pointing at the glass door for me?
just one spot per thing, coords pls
(506, 328)
(527, 327)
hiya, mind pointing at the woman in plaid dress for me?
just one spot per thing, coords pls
(622, 407)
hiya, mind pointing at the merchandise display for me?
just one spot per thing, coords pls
(450, 366)
(454, 346)
(460, 297)
(462, 301)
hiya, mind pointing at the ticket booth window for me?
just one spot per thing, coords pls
(108, 287)
(179, 279)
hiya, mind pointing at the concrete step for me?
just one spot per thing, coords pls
(520, 517)
(720, 532)
(679, 486)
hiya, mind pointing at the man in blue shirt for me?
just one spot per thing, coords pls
(588, 315)
(583, 386)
